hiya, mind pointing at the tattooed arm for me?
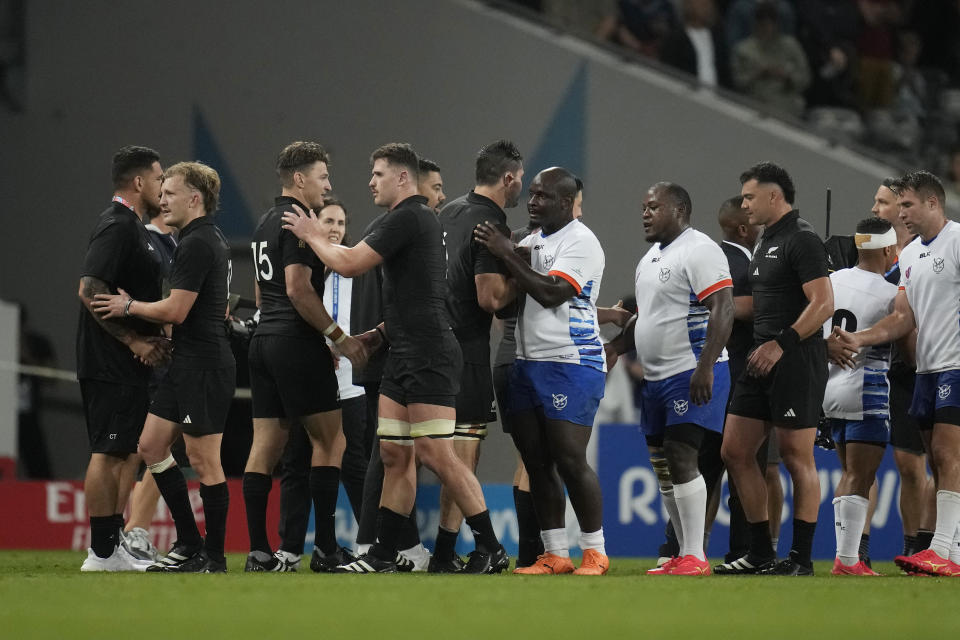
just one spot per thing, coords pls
(149, 350)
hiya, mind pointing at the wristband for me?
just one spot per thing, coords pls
(126, 308)
(343, 336)
(333, 327)
(383, 335)
(788, 339)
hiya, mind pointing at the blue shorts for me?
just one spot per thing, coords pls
(569, 392)
(666, 402)
(870, 430)
(936, 398)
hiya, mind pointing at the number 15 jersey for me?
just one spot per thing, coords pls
(274, 248)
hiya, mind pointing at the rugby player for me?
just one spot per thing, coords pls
(558, 378)
(292, 377)
(195, 394)
(856, 401)
(478, 288)
(421, 376)
(430, 184)
(927, 300)
(685, 297)
(786, 372)
(114, 356)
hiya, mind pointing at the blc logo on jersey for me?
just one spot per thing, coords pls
(559, 401)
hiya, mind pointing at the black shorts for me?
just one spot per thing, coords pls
(475, 400)
(429, 377)
(789, 396)
(115, 415)
(501, 375)
(292, 377)
(904, 428)
(196, 399)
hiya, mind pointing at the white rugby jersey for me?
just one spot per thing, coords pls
(337, 293)
(860, 300)
(930, 276)
(569, 332)
(671, 283)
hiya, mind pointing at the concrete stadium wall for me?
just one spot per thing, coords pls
(231, 83)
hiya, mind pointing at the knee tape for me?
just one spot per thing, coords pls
(163, 465)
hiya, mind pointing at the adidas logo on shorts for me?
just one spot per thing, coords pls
(790, 414)
(187, 420)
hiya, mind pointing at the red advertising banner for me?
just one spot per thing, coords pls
(53, 515)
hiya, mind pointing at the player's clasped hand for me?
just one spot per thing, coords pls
(303, 224)
(763, 359)
(841, 349)
(493, 239)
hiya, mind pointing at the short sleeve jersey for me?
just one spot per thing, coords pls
(671, 285)
(337, 298)
(507, 349)
(467, 258)
(121, 254)
(201, 264)
(741, 335)
(568, 332)
(860, 299)
(274, 249)
(789, 255)
(410, 240)
(930, 276)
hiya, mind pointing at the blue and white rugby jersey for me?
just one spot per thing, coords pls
(671, 284)
(860, 300)
(569, 332)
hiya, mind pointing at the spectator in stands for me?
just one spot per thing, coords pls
(875, 48)
(910, 85)
(938, 24)
(640, 25)
(770, 66)
(740, 17)
(697, 46)
(828, 31)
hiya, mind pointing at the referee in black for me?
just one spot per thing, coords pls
(195, 394)
(112, 355)
(786, 372)
(478, 288)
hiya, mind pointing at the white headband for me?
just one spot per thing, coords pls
(876, 240)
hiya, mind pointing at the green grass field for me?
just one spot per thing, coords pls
(43, 595)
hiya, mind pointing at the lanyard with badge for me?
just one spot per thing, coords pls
(124, 203)
(336, 294)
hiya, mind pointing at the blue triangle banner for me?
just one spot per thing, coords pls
(233, 217)
(563, 142)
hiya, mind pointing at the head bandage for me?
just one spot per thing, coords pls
(876, 240)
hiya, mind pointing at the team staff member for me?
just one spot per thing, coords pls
(195, 395)
(420, 381)
(478, 287)
(292, 377)
(113, 355)
(557, 380)
(927, 300)
(786, 372)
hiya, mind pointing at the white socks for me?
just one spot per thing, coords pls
(592, 540)
(555, 542)
(955, 547)
(670, 503)
(948, 517)
(691, 504)
(849, 518)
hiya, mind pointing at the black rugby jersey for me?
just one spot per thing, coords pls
(410, 240)
(121, 254)
(201, 263)
(788, 255)
(467, 258)
(274, 248)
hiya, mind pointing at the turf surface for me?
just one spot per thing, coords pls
(43, 595)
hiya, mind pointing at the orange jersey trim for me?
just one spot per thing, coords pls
(723, 284)
(561, 274)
